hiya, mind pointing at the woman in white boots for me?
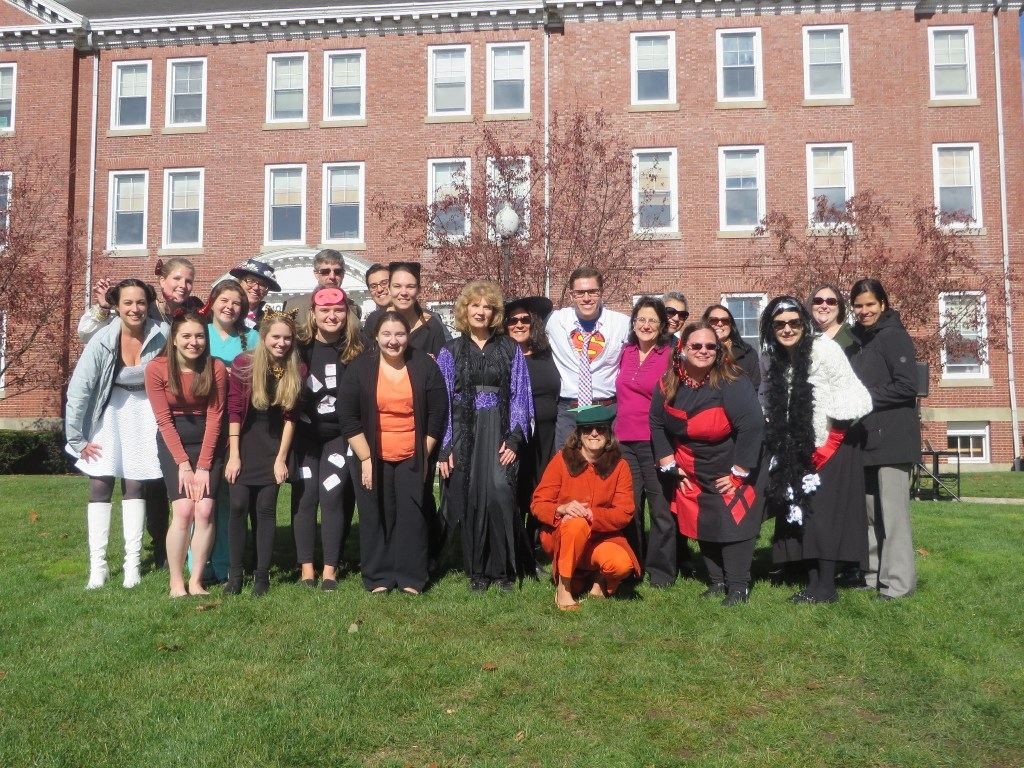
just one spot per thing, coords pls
(110, 425)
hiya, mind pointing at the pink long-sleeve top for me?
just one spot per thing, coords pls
(634, 387)
(167, 405)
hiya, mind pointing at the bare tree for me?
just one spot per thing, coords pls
(40, 257)
(587, 178)
(916, 252)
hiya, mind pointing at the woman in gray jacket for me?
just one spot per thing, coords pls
(110, 426)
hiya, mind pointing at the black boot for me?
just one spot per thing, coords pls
(736, 596)
(260, 584)
(715, 590)
(233, 586)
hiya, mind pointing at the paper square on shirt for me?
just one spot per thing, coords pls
(307, 473)
(314, 383)
(332, 382)
(337, 460)
(326, 405)
(331, 369)
(331, 482)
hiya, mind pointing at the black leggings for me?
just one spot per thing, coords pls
(821, 578)
(243, 498)
(336, 503)
(729, 562)
(101, 489)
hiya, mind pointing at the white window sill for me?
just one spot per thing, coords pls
(128, 253)
(491, 117)
(172, 130)
(340, 246)
(181, 250)
(742, 104)
(957, 383)
(6, 133)
(665, 107)
(963, 102)
(343, 122)
(828, 101)
(736, 234)
(288, 126)
(130, 132)
(966, 231)
(431, 119)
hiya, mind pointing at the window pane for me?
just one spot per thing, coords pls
(286, 222)
(184, 190)
(509, 63)
(133, 80)
(6, 84)
(741, 185)
(188, 77)
(449, 97)
(346, 102)
(286, 204)
(951, 81)
(746, 310)
(344, 222)
(289, 96)
(741, 208)
(188, 108)
(509, 94)
(826, 79)
(951, 65)
(184, 227)
(345, 69)
(288, 105)
(652, 85)
(951, 47)
(450, 81)
(449, 181)
(6, 110)
(824, 46)
(131, 111)
(739, 66)
(346, 85)
(343, 204)
(654, 176)
(128, 229)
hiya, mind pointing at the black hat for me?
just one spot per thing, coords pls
(412, 267)
(591, 415)
(541, 306)
(259, 269)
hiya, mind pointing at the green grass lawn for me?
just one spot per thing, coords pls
(993, 485)
(302, 678)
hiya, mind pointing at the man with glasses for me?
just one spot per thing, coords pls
(586, 341)
(258, 279)
(378, 283)
(329, 271)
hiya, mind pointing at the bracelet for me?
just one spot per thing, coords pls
(737, 472)
(100, 313)
(667, 467)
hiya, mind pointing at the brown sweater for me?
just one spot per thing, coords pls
(166, 406)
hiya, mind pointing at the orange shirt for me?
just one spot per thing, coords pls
(397, 426)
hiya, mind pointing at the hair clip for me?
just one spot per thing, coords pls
(179, 313)
(159, 269)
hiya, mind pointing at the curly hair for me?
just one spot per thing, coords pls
(479, 289)
(572, 453)
(650, 302)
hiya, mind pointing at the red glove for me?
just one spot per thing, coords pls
(821, 455)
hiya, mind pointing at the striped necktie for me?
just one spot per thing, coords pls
(586, 383)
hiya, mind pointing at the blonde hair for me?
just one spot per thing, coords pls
(487, 290)
(351, 333)
(257, 369)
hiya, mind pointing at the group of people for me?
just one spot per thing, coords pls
(598, 440)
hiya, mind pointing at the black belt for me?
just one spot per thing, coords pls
(131, 387)
(572, 402)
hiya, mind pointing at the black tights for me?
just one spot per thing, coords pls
(729, 562)
(821, 578)
(243, 498)
(101, 489)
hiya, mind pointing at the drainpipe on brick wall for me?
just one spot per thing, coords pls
(1004, 226)
(547, 171)
(91, 212)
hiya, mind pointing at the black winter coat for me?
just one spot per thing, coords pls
(746, 357)
(884, 361)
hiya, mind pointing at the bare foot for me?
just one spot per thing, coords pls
(563, 597)
(378, 590)
(179, 592)
(196, 589)
(410, 591)
(597, 591)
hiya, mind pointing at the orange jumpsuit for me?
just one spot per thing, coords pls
(581, 549)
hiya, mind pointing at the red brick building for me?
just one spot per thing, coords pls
(226, 129)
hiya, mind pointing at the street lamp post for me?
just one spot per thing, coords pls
(506, 224)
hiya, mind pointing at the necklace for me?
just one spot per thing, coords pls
(691, 382)
(277, 371)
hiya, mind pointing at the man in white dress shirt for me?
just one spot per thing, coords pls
(586, 342)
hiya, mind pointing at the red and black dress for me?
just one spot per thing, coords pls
(708, 430)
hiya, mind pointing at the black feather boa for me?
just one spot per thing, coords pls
(790, 433)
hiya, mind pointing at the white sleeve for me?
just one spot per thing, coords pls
(88, 325)
(848, 398)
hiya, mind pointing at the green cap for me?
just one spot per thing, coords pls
(589, 415)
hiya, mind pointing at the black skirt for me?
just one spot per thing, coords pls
(835, 527)
(258, 444)
(190, 430)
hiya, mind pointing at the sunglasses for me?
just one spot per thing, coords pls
(670, 312)
(781, 325)
(601, 429)
(697, 347)
(519, 320)
(718, 320)
(325, 271)
(819, 300)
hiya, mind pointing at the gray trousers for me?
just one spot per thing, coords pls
(890, 547)
(565, 423)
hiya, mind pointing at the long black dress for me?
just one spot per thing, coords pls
(489, 388)
(545, 383)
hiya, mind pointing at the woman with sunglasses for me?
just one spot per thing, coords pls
(488, 423)
(646, 356)
(810, 396)
(524, 324)
(720, 319)
(676, 311)
(707, 427)
(828, 308)
(584, 502)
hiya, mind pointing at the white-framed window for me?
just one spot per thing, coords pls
(970, 439)
(964, 319)
(746, 309)
(652, 67)
(285, 205)
(829, 175)
(951, 63)
(827, 62)
(957, 176)
(8, 92)
(185, 103)
(508, 78)
(5, 205)
(343, 196)
(445, 310)
(127, 206)
(740, 74)
(287, 77)
(183, 207)
(345, 85)
(448, 82)
(741, 197)
(447, 181)
(130, 105)
(512, 184)
(654, 191)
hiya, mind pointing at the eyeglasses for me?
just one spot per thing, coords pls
(718, 320)
(519, 320)
(591, 292)
(325, 271)
(819, 300)
(380, 285)
(697, 347)
(644, 322)
(781, 325)
(601, 429)
(671, 312)
(254, 283)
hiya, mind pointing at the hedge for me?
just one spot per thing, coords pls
(35, 452)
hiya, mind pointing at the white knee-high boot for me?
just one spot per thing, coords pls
(133, 518)
(98, 518)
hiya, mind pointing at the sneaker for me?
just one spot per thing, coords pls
(736, 596)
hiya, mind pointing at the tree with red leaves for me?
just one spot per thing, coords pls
(586, 178)
(40, 257)
(914, 251)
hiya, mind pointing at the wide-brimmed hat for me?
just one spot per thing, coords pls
(259, 269)
(541, 306)
(593, 415)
